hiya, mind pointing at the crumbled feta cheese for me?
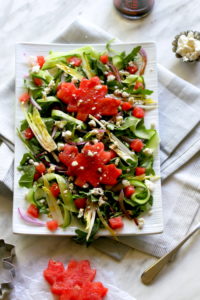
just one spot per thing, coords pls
(125, 95)
(51, 83)
(32, 61)
(80, 213)
(95, 141)
(123, 72)
(153, 125)
(36, 163)
(101, 201)
(150, 185)
(140, 223)
(104, 122)
(93, 108)
(79, 102)
(131, 100)
(188, 47)
(110, 126)
(106, 72)
(71, 186)
(48, 89)
(60, 124)
(74, 80)
(90, 153)
(60, 146)
(70, 178)
(35, 69)
(111, 77)
(97, 191)
(58, 201)
(31, 161)
(131, 63)
(86, 185)
(117, 161)
(107, 67)
(148, 151)
(51, 169)
(67, 134)
(117, 92)
(100, 134)
(80, 139)
(119, 120)
(82, 168)
(74, 163)
(150, 212)
(94, 131)
(42, 201)
(98, 87)
(79, 127)
(92, 123)
(44, 94)
(125, 182)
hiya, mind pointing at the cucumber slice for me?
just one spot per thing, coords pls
(66, 217)
(142, 193)
(117, 62)
(30, 196)
(39, 194)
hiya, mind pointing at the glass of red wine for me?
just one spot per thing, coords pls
(134, 9)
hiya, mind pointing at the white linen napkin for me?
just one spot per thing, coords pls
(180, 144)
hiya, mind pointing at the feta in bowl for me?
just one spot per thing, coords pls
(186, 45)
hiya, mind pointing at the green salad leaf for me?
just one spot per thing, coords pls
(26, 180)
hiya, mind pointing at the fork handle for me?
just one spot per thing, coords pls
(149, 274)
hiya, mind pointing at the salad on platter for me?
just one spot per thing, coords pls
(89, 154)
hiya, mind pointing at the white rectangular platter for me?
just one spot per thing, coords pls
(154, 222)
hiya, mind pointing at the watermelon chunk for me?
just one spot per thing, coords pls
(89, 98)
(53, 271)
(75, 283)
(89, 165)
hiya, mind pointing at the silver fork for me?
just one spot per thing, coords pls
(149, 274)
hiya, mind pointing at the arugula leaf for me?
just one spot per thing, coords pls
(143, 133)
(139, 91)
(25, 158)
(23, 125)
(112, 85)
(26, 179)
(82, 235)
(131, 56)
(108, 46)
(49, 122)
(32, 145)
(147, 163)
(98, 67)
(129, 122)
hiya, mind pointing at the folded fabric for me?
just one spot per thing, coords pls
(180, 144)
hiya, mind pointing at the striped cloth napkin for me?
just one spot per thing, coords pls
(179, 106)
